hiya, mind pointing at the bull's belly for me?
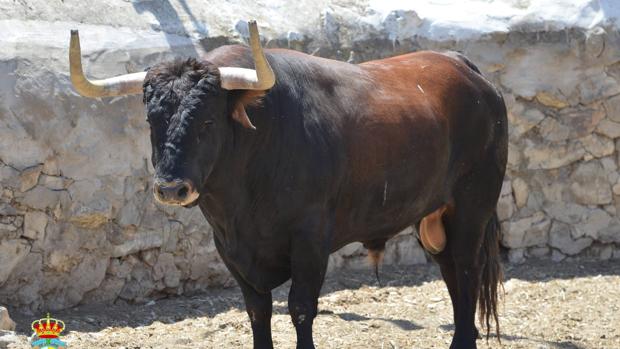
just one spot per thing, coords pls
(368, 222)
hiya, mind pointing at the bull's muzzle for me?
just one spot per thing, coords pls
(180, 192)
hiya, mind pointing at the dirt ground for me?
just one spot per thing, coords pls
(546, 305)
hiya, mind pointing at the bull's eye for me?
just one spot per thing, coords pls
(207, 124)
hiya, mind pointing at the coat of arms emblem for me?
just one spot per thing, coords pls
(47, 333)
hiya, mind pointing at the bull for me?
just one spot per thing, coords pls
(291, 156)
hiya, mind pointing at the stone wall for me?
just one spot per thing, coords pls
(77, 220)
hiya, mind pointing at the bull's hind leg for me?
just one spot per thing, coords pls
(471, 236)
(433, 231)
(448, 273)
(443, 257)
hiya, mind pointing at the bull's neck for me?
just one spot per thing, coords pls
(227, 184)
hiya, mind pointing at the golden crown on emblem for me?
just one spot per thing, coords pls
(48, 327)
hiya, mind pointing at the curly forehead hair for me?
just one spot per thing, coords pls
(180, 76)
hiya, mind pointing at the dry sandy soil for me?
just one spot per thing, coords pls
(546, 305)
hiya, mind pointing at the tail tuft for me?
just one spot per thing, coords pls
(375, 254)
(492, 277)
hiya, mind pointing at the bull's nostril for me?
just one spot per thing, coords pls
(159, 191)
(182, 193)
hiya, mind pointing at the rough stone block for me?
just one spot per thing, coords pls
(30, 177)
(592, 224)
(557, 256)
(552, 156)
(560, 238)
(609, 128)
(6, 323)
(553, 131)
(538, 252)
(550, 100)
(35, 223)
(612, 108)
(505, 205)
(521, 191)
(40, 198)
(352, 249)
(606, 252)
(598, 146)
(522, 120)
(137, 242)
(589, 184)
(12, 253)
(516, 255)
(597, 86)
(107, 292)
(166, 269)
(610, 233)
(410, 252)
(525, 232)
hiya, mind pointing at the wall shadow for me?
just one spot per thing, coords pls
(506, 338)
(198, 25)
(92, 318)
(543, 270)
(169, 21)
(405, 325)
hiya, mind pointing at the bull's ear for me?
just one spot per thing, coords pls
(239, 115)
(247, 98)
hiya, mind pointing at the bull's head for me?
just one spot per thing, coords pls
(187, 109)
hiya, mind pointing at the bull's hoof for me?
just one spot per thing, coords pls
(465, 343)
(455, 345)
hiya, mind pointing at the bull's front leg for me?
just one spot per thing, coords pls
(257, 304)
(259, 308)
(309, 255)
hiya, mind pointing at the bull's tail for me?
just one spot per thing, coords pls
(375, 254)
(492, 276)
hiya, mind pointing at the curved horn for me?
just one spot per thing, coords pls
(117, 86)
(260, 78)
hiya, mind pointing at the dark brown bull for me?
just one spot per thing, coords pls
(340, 153)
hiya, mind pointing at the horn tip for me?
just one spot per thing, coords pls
(74, 32)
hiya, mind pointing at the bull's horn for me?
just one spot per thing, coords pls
(117, 86)
(260, 78)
